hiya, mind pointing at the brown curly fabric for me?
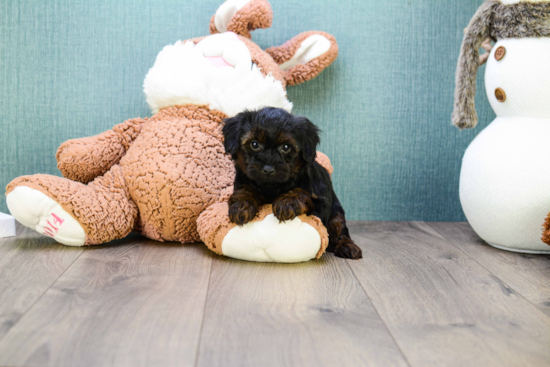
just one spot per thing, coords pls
(264, 61)
(256, 14)
(324, 161)
(213, 29)
(84, 159)
(303, 72)
(175, 168)
(270, 59)
(103, 208)
(214, 224)
(546, 230)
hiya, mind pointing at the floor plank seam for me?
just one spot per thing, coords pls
(42, 295)
(197, 354)
(490, 272)
(378, 313)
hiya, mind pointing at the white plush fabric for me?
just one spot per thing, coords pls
(504, 183)
(524, 75)
(182, 75)
(311, 48)
(227, 46)
(270, 241)
(504, 186)
(7, 225)
(35, 210)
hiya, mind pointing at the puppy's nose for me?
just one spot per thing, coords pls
(268, 170)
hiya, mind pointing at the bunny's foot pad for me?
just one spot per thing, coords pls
(264, 239)
(37, 211)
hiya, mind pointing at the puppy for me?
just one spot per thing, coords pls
(274, 154)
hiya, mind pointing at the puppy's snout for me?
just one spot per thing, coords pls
(268, 170)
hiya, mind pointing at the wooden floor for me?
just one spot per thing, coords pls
(425, 294)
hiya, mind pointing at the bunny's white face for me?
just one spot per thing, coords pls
(225, 50)
(217, 71)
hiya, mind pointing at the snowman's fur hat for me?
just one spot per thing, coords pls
(495, 20)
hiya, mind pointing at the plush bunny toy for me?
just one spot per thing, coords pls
(167, 176)
(504, 182)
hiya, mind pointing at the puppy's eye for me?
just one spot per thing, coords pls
(285, 148)
(255, 146)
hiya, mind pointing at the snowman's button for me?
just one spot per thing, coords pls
(501, 96)
(500, 52)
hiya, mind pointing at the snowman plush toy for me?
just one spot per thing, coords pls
(505, 181)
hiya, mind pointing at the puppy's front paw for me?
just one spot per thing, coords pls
(289, 206)
(242, 212)
(347, 249)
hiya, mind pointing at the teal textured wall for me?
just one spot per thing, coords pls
(71, 69)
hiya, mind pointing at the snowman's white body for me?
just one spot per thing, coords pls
(505, 177)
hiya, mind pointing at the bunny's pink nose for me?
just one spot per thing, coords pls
(231, 36)
(218, 61)
(214, 49)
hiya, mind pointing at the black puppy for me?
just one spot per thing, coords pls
(274, 154)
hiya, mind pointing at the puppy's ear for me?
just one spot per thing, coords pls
(232, 131)
(308, 138)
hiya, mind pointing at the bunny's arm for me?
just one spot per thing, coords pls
(324, 161)
(84, 159)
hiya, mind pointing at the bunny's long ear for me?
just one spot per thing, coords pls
(241, 17)
(464, 114)
(305, 56)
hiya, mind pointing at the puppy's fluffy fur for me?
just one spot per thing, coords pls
(274, 154)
